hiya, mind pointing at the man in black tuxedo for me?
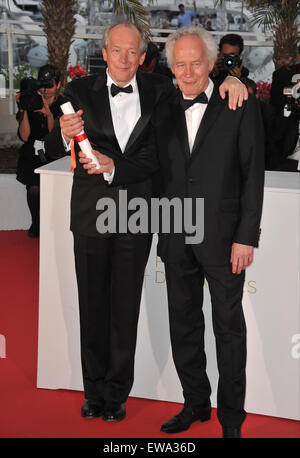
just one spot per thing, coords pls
(115, 108)
(110, 267)
(207, 151)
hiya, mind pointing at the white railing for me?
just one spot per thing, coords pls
(7, 27)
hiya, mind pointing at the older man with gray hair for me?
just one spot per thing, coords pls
(208, 151)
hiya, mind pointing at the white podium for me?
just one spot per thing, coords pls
(271, 305)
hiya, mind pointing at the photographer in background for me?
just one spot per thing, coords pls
(229, 61)
(287, 148)
(282, 146)
(281, 78)
(39, 104)
(151, 63)
(285, 98)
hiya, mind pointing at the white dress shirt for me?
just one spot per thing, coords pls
(194, 115)
(125, 112)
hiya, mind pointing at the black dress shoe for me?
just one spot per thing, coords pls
(92, 410)
(231, 433)
(183, 420)
(114, 413)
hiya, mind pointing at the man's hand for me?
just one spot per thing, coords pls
(71, 125)
(45, 108)
(106, 163)
(236, 71)
(237, 92)
(241, 257)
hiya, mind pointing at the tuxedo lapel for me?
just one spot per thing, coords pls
(213, 109)
(101, 107)
(179, 122)
(147, 106)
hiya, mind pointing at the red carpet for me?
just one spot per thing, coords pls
(28, 412)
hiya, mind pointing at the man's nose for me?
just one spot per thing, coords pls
(124, 56)
(188, 71)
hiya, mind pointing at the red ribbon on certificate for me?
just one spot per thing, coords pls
(73, 157)
(78, 138)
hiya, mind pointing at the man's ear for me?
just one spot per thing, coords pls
(104, 54)
(142, 58)
(211, 65)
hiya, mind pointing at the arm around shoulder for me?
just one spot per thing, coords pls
(251, 156)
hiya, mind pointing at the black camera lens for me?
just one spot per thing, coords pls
(230, 61)
(46, 76)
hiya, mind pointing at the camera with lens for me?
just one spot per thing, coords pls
(231, 61)
(30, 98)
(292, 99)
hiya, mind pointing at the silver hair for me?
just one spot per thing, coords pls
(144, 41)
(199, 31)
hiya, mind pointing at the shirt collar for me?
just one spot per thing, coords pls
(110, 81)
(208, 91)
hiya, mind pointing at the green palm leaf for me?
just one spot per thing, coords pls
(134, 11)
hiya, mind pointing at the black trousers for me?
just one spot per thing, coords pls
(33, 201)
(185, 281)
(110, 274)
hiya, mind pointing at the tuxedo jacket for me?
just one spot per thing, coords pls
(133, 168)
(225, 167)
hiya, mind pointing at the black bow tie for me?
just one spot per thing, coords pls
(187, 103)
(114, 90)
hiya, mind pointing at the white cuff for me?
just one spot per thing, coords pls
(66, 146)
(109, 176)
(232, 76)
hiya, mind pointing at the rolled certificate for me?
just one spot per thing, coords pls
(81, 138)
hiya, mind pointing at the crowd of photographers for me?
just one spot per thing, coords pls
(280, 113)
(39, 104)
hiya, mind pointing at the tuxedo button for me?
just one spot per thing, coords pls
(191, 180)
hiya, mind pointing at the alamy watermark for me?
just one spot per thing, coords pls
(135, 216)
(296, 347)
